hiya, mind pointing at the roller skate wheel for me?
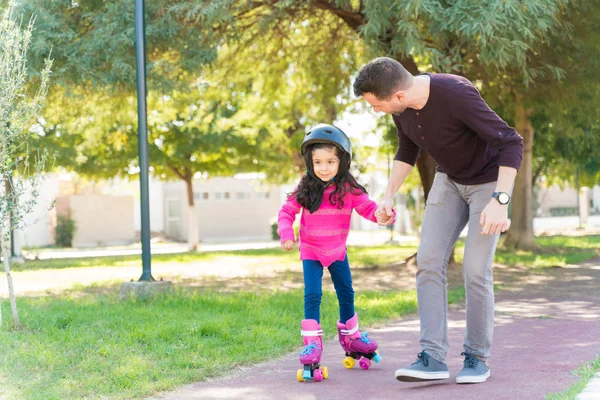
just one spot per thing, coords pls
(364, 363)
(376, 357)
(318, 375)
(299, 376)
(349, 362)
(325, 372)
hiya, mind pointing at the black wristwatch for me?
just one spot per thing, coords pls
(502, 197)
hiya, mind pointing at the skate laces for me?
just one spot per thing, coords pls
(365, 338)
(470, 360)
(310, 348)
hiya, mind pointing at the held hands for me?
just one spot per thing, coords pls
(288, 245)
(494, 218)
(384, 214)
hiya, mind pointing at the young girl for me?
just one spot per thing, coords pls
(326, 196)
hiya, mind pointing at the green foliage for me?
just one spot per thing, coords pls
(295, 81)
(446, 35)
(274, 233)
(18, 107)
(566, 114)
(214, 121)
(562, 106)
(65, 230)
(273, 63)
(93, 42)
(554, 251)
(586, 372)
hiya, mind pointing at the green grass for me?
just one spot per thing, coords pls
(91, 346)
(585, 373)
(79, 345)
(554, 251)
(360, 256)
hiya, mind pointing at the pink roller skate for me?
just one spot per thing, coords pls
(356, 345)
(311, 354)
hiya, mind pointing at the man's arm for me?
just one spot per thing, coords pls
(472, 110)
(494, 217)
(400, 171)
(475, 113)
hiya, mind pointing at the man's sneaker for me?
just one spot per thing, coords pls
(474, 370)
(424, 369)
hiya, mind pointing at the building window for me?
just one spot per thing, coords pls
(222, 195)
(243, 195)
(262, 195)
(201, 196)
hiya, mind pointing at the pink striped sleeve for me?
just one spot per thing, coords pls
(286, 217)
(366, 207)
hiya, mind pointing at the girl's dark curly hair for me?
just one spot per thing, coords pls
(309, 192)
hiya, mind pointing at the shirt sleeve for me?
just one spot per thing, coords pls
(286, 218)
(407, 151)
(365, 207)
(473, 111)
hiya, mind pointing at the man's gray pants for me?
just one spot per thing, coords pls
(450, 206)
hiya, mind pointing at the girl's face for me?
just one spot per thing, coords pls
(325, 163)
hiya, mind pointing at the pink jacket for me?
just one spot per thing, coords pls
(323, 234)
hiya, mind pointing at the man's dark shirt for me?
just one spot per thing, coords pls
(456, 127)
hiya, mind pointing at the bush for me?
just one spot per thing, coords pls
(65, 230)
(274, 233)
(564, 211)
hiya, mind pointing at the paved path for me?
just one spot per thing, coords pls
(546, 327)
(356, 238)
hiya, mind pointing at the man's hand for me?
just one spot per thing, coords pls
(384, 213)
(288, 245)
(494, 218)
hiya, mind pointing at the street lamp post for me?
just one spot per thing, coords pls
(140, 58)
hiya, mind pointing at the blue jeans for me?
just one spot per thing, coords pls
(313, 284)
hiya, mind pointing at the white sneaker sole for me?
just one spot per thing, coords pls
(474, 379)
(409, 375)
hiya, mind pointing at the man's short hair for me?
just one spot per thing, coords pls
(382, 77)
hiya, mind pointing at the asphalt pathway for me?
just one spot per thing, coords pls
(547, 326)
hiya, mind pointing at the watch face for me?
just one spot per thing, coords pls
(503, 198)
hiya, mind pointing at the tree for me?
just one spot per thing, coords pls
(17, 109)
(569, 123)
(463, 37)
(555, 105)
(264, 110)
(92, 43)
(445, 37)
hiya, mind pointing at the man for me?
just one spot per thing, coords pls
(478, 156)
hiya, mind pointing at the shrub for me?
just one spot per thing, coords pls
(65, 230)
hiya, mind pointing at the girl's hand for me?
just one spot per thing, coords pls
(288, 245)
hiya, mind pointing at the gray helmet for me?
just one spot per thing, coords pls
(324, 133)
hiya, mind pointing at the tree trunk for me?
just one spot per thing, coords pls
(426, 166)
(193, 233)
(11, 291)
(520, 234)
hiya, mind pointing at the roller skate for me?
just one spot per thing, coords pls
(358, 346)
(310, 356)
